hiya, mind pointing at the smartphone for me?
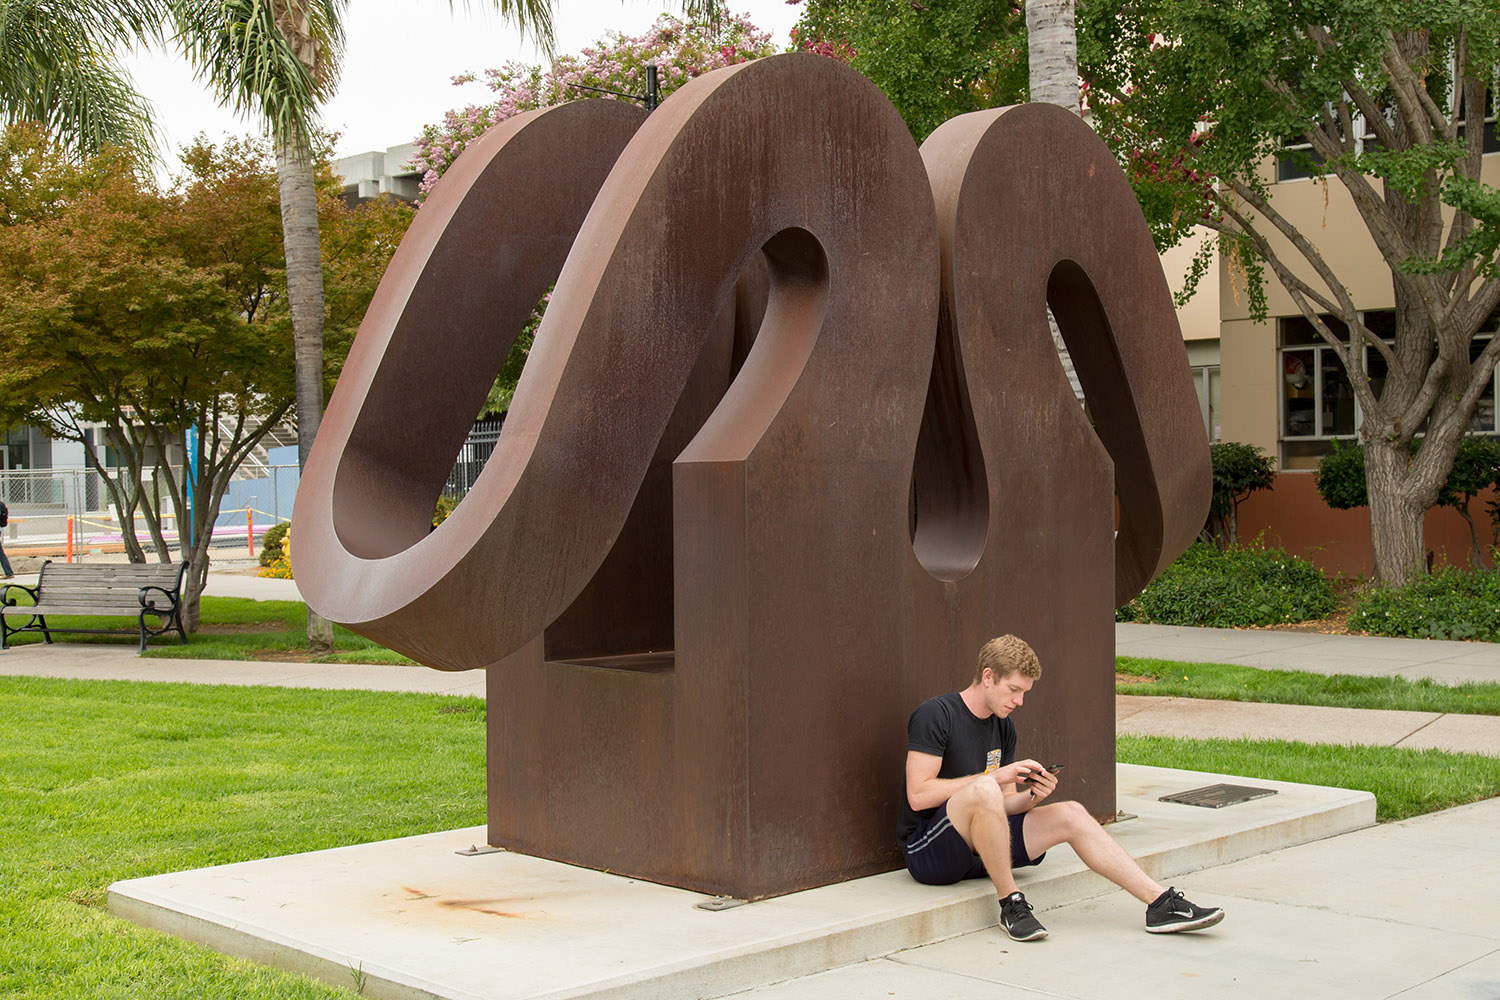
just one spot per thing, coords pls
(1051, 770)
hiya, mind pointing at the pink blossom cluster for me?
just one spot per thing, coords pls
(839, 49)
(1153, 163)
(681, 51)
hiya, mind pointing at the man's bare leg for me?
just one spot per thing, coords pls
(977, 812)
(1069, 823)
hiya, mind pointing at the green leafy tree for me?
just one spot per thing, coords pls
(1340, 477)
(1476, 468)
(1196, 98)
(934, 60)
(1239, 470)
(147, 313)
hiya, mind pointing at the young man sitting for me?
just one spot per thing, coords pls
(972, 809)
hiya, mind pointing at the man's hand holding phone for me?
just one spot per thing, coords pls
(1015, 773)
(1039, 781)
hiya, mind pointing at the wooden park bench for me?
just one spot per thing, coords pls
(129, 590)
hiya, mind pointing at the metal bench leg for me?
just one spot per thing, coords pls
(46, 635)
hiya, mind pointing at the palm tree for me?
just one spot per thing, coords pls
(1052, 47)
(1052, 53)
(57, 68)
(278, 59)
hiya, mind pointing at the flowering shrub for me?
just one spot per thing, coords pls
(273, 543)
(680, 49)
(1251, 586)
(804, 40)
(278, 569)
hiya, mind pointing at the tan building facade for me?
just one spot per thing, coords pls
(1276, 385)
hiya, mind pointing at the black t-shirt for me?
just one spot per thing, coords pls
(944, 727)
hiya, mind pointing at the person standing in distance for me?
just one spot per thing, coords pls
(5, 572)
(971, 809)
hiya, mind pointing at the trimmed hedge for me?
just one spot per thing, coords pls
(1450, 603)
(1249, 586)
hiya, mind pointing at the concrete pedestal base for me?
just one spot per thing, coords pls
(411, 918)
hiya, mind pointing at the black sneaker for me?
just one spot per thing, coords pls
(1016, 918)
(1171, 913)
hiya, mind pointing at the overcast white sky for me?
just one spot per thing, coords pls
(400, 59)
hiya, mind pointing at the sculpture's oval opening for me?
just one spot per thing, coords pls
(402, 460)
(950, 500)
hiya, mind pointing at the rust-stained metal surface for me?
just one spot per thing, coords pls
(791, 445)
(1034, 211)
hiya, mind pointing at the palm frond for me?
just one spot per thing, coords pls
(710, 12)
(238, 47)
(57, 68)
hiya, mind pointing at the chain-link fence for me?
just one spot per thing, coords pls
(65, 514)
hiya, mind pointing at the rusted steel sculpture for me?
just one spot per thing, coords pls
(714, 563)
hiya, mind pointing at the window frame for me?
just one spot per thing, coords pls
(1283, 437)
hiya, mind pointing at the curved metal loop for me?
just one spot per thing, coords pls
(693, 197)
(1064, 230)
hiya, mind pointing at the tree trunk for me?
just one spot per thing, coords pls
(304, 285)
(1052, 46)
(1476, 548)
(1395, 519)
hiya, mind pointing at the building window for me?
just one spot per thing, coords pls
(1317, 402)
(1297, 160)
(15, 449)
(1206, 381)
(1491, 140)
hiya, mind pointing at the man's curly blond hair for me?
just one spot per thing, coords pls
(1005, 656)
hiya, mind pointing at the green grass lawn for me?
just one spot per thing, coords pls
(1405, 782)
(1290, 687)
(234, 628)
(105, 780)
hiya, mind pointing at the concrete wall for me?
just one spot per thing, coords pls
(377, 172)
(1199, 318)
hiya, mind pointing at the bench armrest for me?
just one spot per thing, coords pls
(6, 599)
(149, 602)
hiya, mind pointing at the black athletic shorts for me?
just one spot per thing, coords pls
(937, 855)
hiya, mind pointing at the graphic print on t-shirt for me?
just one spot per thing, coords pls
(992, 761)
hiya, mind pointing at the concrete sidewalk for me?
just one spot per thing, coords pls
(1444, 661)
(1202, 719)
(1191, 718)
(1188, 718)
(1441, 660)
(1400, 910)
